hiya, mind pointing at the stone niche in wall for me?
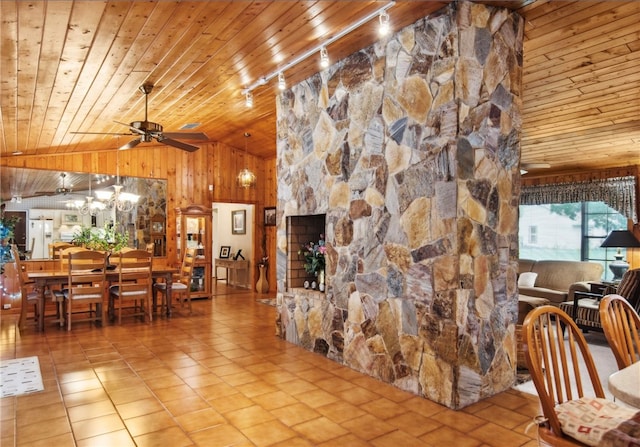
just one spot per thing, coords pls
(301, 230)
(411, 149)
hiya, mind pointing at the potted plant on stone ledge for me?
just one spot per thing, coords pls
(314, 264)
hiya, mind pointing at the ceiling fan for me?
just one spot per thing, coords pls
(148, 130)
(60, 190)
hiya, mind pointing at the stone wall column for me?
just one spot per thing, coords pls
(411, 149)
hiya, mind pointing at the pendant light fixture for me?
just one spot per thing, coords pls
(90, 207)
(246, 178)
(122, 201)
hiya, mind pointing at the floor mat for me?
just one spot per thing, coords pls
(268, 301)
(20, 376)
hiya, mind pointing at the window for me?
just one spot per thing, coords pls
(569, 231)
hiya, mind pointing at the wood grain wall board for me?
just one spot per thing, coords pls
(84, 72)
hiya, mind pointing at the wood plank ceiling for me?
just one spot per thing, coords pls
(76, 66)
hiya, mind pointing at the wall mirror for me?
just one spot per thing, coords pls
(50, 203)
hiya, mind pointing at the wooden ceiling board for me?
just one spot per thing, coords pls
(72, 66)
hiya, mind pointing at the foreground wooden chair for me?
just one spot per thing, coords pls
(181, 286)
(86, 285)
(134, 284)
(571, 417)
(621, 325)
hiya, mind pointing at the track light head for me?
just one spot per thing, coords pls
(324, 57)
(249, 99)
(282, 84)
(385, 26)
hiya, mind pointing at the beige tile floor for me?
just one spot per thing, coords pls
(220, 377)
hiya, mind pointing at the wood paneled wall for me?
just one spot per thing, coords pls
(188, 176)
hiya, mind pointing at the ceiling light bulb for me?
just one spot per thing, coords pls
(282, 84)
(384, 23)
(324, 57)
(249, 99)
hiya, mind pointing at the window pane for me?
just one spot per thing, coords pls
(570, 231)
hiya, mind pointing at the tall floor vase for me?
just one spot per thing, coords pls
(262, 286)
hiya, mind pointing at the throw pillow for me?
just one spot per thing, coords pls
(527, 279)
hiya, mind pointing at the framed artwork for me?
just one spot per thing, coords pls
(225, 251)
(70, 219)
(270, 216)
(238, 224)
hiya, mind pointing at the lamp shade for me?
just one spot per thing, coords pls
(620, 238)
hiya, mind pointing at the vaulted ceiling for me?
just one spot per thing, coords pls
(76, 66)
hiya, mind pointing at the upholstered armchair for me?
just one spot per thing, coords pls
(585, 306)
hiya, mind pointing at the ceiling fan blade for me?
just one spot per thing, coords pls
(131, 128)
(178, 144)
(186, 135)
(131, 144)
(100, 133)
(535, 165)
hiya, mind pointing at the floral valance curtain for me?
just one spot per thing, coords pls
(619, 193)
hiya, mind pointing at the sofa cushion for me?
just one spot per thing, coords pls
(527, 279)
(554, 296)
(525, 265)
(559, 275)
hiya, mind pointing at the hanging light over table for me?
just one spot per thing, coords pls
(246, 178)
(122, 201)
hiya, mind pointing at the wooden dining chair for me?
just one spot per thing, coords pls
(86, 285)
(30, 296)
(134, 284)
(181, 286)
(57, 294)
(576, 412)
(621, 325)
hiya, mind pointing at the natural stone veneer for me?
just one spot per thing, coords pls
(411, 148)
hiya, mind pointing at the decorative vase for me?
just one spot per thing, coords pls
(262, 286)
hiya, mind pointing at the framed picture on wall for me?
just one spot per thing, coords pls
(270, 216)
(70, 219)
(225, 251)
(238, 224)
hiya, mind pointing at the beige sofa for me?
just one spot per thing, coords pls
(557, 280)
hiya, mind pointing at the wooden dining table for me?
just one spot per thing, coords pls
(44, 279)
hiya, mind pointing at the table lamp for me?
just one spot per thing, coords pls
(619, 239)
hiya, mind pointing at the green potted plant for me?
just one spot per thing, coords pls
(104, 239)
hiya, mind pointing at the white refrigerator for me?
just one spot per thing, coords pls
(40, 235)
